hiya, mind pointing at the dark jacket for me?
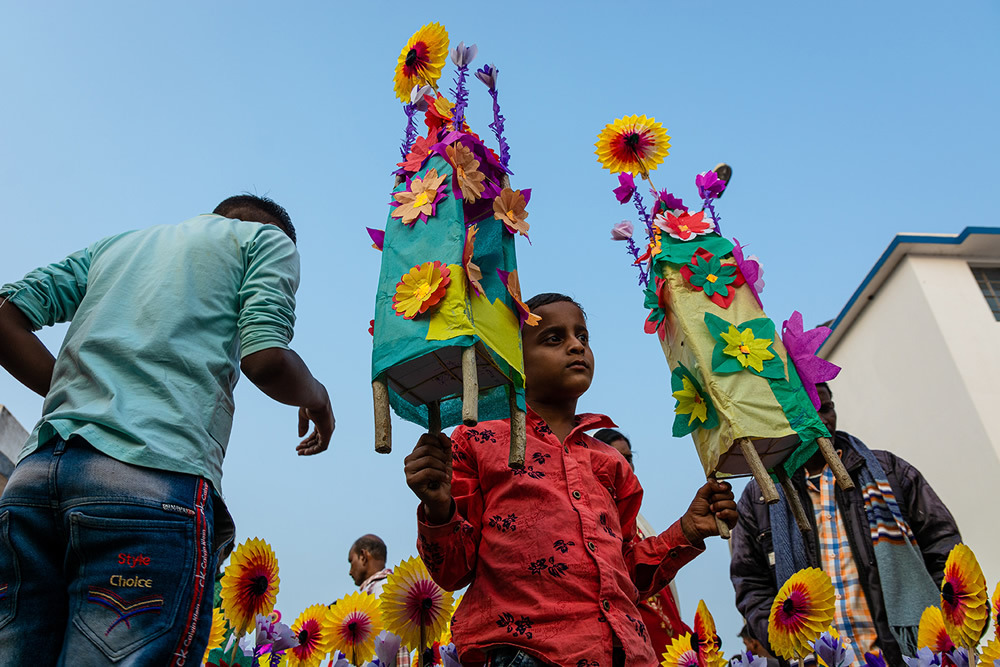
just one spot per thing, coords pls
(752, 567)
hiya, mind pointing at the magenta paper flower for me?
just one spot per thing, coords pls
(802, 347)
(626, 187)
(751, 269)
(667, 202)
(710, 186)
(622, 231)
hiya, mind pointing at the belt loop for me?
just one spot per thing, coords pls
(60, 447)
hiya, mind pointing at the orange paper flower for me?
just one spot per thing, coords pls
(421, 289)
(635, 144)
(420, 199)
(801, 611)
(355, 622)
(932, 634)
(509, 208)
(467, 173)
(513, 284)
(680, 653)
(705, 640)
(421, 60)
(964, 606)
(315, 636)
(249, 584)
(472, 271)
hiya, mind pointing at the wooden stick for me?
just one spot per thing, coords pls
(422, 659)
(383, 418)
(434, 417)
(518, 432)
(832, 460)
(767, 487)
(792, 497)
(724, 532)
(470, 387)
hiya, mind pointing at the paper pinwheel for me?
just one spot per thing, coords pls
(355, 621)
(413, 606)
(634, 144)
(801, 611)
(964, 604)
(314, 633)
(249, 584)
(680, 653)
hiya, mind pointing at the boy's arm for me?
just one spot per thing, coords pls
(442, 472)
(21, 353)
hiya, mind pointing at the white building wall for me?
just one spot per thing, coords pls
(12, 439)
(918, 366)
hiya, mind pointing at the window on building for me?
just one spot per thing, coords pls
(989, 282)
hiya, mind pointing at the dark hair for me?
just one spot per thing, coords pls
(548, 298)
(373, 544)
(609, 435)
(254, 208)
(824, 385)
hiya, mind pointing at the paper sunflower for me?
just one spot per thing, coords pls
(411, 600)
(693, 409)
(355, 622)
(217, 633)
(513, 284)
(509, 209)
(421, 60)
(706, 273)
(705, 640)
(467, 176)
(744, 347)
(419, 200)
(634, 144)
(931, 632)
(801, 611)
(421, 289)
(964, 606)
(680, 653)
(315, 636)
(472, 271)
(249, 584)
(996, 611)
(991, 653)
(685, 226)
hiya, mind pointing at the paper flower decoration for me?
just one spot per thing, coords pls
(513, 284)
(705, 273)
(420, 199)
(378, 238)
(831, 651)
(685, 226)
(964, 606)
(315, 637)
(249, 584)
(679, 252)
(488, 75)
(923, 658)
(991, 653)
(667, 202)
(996, 610)
(472, 271)
(467, 176)
(710, 186)
(802, 347)
(421, 60)
(387, 647)
(418, 154)
(658, 301)
(509, 209)
(634, 143)
(694, 409)
(751, 270)
(705, 640)
(622, 231)
(354, 622)
(273, 634)
(744, 347)
(801, 611)
(411, 600)
(626, 187)
(680, 653)
(874, 660)
(932, 633)
(421, 289)
(653, 249)
(217, 633)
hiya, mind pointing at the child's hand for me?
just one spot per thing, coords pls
(715, 499)
(428, 474)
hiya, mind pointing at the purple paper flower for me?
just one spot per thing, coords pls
(488, 75)
(874, 660)
(668, 202)
(387, 647)
(751, 269)
(378, 237)
(832, 651)
(958, 656)
(710, 186)
(924, 658)
(418, 95)
(462, 55)
(622, 231)
(449, 656)
(276, 635)
(338, 659)
(626, 187)
(747, 660)
(802, 347)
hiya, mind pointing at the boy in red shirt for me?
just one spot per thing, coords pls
(549, 552)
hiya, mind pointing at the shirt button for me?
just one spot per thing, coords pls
(576, 494)
(672, 553)
(591, 546)
(566, 448)
(606, 605)
(839, 596)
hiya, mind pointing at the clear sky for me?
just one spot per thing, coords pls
(846, 123)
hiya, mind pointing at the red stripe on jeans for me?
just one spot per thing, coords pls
(190, 631)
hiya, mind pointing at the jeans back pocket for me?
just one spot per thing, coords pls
(10, 576)
(133, 576)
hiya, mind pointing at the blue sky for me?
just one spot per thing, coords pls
(846, 123)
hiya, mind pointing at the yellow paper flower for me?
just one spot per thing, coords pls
(421, 60)
(446, 637)
(411, 600)
(217, 633)
(690, 402)
(420, 289)
(990, 653)
(315, 635)
(635, 144)
(801, 611)
(249, 584)
(466, 166)
(964, 606)
(996, 611)
(680, 653)
(509, 208)
(355, 622)
(931, 632)
(419, 201)
(749, 351)
(705, 640)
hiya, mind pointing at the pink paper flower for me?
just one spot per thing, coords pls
(622, 231)
(802, 347)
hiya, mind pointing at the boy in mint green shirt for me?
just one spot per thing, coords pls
(140, 398)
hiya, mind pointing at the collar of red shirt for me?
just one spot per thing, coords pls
(585, 421)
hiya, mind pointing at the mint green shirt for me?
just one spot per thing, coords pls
(160, 318)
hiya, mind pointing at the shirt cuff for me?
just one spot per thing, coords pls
(449, 527)
(679, 546)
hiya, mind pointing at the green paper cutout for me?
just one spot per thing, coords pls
(683, 423)
(674, 251)
(701, 269)
(761, 327)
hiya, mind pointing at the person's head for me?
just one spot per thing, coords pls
(753, 645)
(366, 557)
(617, 440)
(827, 413)
(253, 208)
(558, 361)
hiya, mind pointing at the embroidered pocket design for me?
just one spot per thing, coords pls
(3, 591)
(124, 608)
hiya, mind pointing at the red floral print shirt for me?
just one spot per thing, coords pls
(549, 552)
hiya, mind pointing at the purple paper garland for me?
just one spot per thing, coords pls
(461, 98)
(411, 130)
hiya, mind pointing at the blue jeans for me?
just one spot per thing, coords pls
(104, 563)
(509, 656)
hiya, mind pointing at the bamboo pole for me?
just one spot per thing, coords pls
(724, 531)
(792, 498)
(383, 418)
(434, 417)
(470, 387)
(836, 465)
(767, 488)
(518, 432)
